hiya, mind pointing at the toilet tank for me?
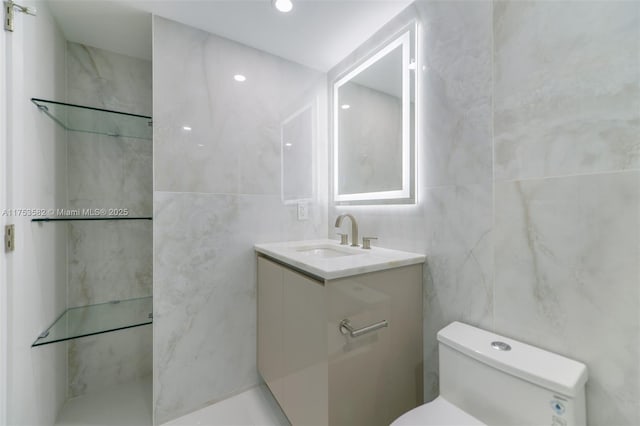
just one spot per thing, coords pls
(509, 382)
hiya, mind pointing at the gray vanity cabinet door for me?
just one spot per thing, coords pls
(305, 350)
(270, 323)
(377, 376)
(292, 342)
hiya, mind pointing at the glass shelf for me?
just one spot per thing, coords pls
(70, 218)
(98, 319)
(79, 118)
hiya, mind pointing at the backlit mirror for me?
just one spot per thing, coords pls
(374, 126)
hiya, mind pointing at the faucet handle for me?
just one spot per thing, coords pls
(366, 242)
(344, 239)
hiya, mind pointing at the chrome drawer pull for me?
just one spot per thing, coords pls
(347, 328)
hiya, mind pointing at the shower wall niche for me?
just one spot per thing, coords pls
(109, 172)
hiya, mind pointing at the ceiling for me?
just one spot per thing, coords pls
(317, 33)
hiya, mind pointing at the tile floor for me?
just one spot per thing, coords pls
(123, 405)
(254, 407)
(130, 405)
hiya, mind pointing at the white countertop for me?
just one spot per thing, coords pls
(349, 260)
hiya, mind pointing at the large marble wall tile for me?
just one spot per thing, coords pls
(456, 92)
(459, 266)
(568, 279)
(205, 292)
(98, 362)
(567, 87)
(235, 126)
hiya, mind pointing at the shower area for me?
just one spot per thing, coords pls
(106, 222)
(84, 252)
(108, 211)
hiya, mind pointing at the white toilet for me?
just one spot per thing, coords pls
(487, 379)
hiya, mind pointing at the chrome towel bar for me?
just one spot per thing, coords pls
(346, 328)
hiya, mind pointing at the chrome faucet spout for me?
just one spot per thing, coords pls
(354, 227)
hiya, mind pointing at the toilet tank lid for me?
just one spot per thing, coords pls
(535, 365)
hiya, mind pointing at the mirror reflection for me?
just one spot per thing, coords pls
(370, 128)
(373, 135)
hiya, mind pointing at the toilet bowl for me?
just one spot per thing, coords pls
(488, 379)
(438, 412)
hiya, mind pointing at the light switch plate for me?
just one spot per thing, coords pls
(303, 210)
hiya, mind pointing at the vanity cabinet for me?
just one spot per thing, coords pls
(317, 372)
(292, 341)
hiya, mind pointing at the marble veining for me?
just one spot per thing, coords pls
(456, 91)
(109, 260)
(567, 269)
(205, 300)
(458, 276)
(567, 88)
(567, 102)
(103, 79)
(218, 191)
(105, 360)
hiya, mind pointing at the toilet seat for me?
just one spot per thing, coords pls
(439, 412)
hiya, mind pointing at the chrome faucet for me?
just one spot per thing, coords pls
(354, 228)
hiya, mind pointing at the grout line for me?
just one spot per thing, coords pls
(493, 173)
(598, 173)
(457, 185)
(67, 229)
(219, 194)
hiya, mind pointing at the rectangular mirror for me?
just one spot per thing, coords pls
(297, 142)
(374, 126)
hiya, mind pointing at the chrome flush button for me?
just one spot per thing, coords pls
(500, 346)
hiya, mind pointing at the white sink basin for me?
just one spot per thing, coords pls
(329, 260)
(324, 250)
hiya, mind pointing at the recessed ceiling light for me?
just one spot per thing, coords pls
(345, 106)
(239, 77)
(186, 128)
(283, 5)
(288, 144)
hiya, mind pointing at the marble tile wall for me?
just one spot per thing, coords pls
(456, 170)
(529, 185)
(567, 189)
(564, 73)
(217, 192)
(109, 260)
